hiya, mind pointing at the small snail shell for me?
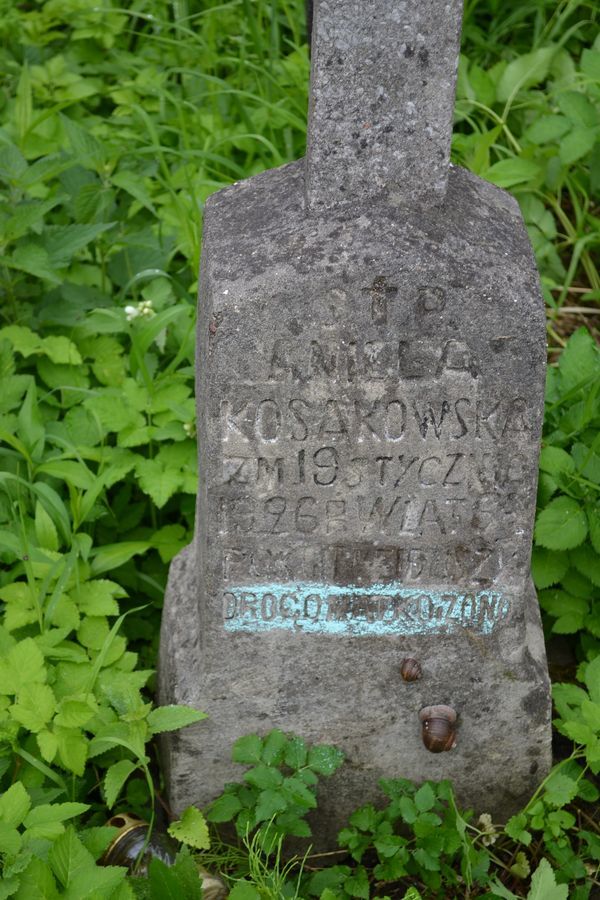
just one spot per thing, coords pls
(439, 728)
(410, 669)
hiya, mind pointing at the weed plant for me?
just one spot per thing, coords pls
(116, 122)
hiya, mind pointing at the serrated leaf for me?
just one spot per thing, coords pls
(562, 525)
(171, 718)
(191, 829)
(22, 665)
(297, 791)
(224, 808)
(35, 706)
(273, 747)
(68, 857)
(115, 778)
(324, 759)
(263, 776)
(555, 460)
(62, 242)
(296, 753)
(587, 561)
(247, 749)
(158, 481)
(268, 803)
(592, 679)
(560, 789)
(548, 567)
(579, 361)
(516, 829)
(72, 749)
(544, 886)
(15, 803)
(37, 882)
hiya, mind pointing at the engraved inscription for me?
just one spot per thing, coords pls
(360, 611)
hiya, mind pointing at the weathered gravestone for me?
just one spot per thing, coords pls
(371, 364)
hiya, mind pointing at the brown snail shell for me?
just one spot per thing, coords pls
(410, 669)
(125, 848)
(438, 728)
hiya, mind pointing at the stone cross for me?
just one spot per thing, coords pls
(371, 350)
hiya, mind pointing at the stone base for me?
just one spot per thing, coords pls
(497, 683)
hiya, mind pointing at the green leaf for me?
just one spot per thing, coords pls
(525, 72)
(547, 129)
(171, 718)
(34, 260)
(263, 776)
(324, 759)
(555, 461)
(45, 529)
(72, 749)
(22, 665)
(10, 845)
(562, 525)
(560, 789)
(510, 172)
(45, 821)
(98, 597)
(191, 829)
(297, 791)
(268, 803)
(543, 884)
(516, 829)
(247, 749)
(296, 753)
(37, 882)
(62, 242)
(35, 706)
(14, 804)
(590, 64)
(68, 857)
(576, 144)
(357, 885)
(115, 778)
(548, 566)
(587, 561)
(224, 808)
(592, 679)
(425, 798)
(579, 361)
(157, 480)
(578, 108)
(111, 556)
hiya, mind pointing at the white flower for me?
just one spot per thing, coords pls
(132, 312)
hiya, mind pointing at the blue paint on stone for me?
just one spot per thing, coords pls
(390, 608)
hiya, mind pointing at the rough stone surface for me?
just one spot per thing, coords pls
(382, 96)
(370, 394)
(382, 440)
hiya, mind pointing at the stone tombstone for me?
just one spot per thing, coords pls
(371, 352)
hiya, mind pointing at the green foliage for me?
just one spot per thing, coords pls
(566, 556)
(278, 790)
(117, 123)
